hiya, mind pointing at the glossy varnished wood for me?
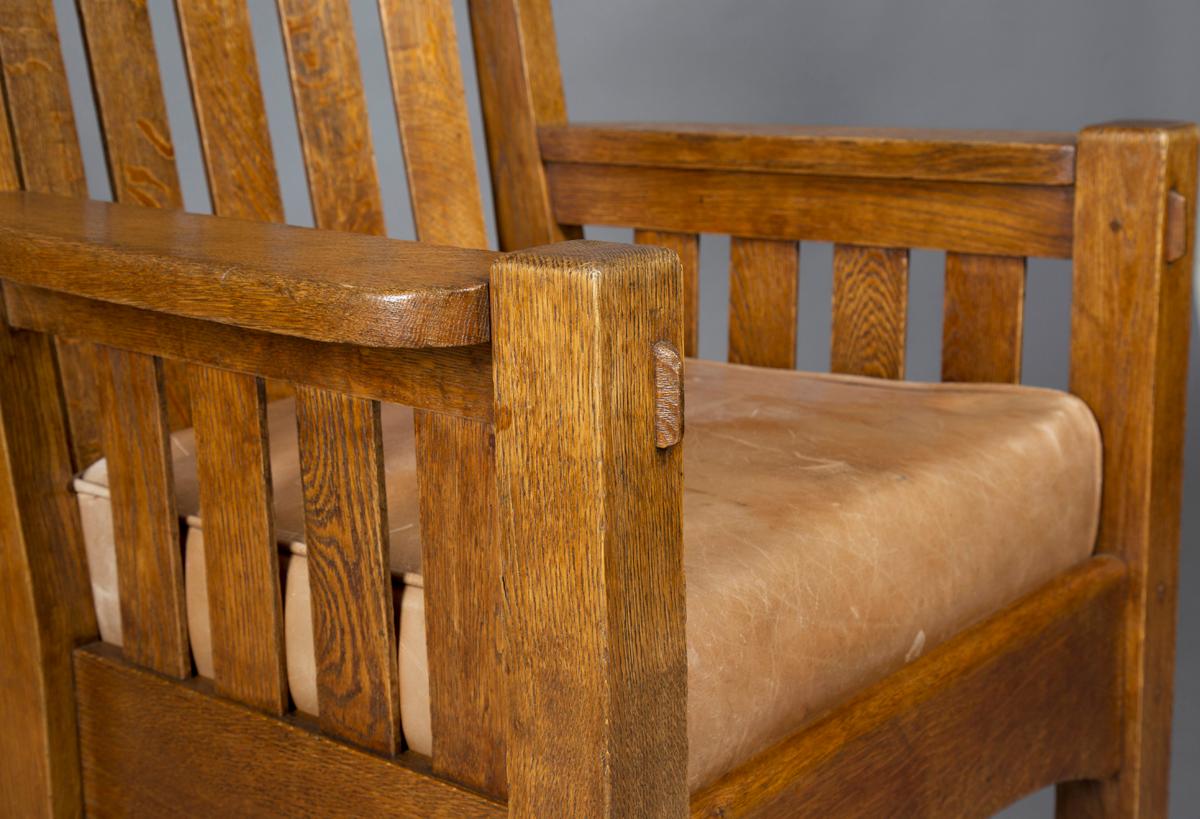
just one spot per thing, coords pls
(455, 380)
(154, 746)
(346, 530)
(983, 318)
(591, 532)
(764, 283)
(46, 598)
(1025, 157)
(331, 110)
(233, 466)
(520, 88)
(460, 564)
(431, 108)
(129, 100)
(230, 114)
(136, 439)
(870, 311)
(1130, 318)
(49, 160)
(687, 247)
(1024, 699)
(969, 217)
(323, 286)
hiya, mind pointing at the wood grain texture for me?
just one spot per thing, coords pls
(983, 318)
(764, 284)
(346, 530)
(668, 395)
(320, 285)
(1022, 700)
(245, 606)
(687, 247)
(331, 110)
(460, 564)
(870, 311)
(49, 160)
(455, 380)
(1024, 157)
(10, 178)
(969, 217)
(431, 108)
(46, 596)
(1130, 319)
(591, 532)
(135, 130)
(520, 88)
(141, 479)
(230, 116)
(1179, 225)
(129, 102)
(153, 745)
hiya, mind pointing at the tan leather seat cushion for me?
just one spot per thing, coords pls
(834, 528)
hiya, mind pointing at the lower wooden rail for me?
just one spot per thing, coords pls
(1025, 699)
(152, 746)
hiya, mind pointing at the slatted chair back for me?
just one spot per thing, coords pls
(122, 401)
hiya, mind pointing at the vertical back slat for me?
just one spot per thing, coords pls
(49, 161)
(431, 109)
(870, 310)
(520, 87)
(461, 568)
(984, 312)
(331, 110)
(241, 556)
(129, 99)
(687, 247)
(137, 443)
(137, 135)
(230, 115)
(354, 622)
(764, 281)
(10, 180)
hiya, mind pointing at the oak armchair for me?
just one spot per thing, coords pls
(282, 412)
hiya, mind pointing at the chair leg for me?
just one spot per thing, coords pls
(1131, 313)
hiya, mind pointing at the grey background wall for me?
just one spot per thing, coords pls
(1044, 64)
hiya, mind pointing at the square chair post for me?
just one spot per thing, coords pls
(590, 530)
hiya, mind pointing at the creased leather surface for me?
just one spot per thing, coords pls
(834, 528)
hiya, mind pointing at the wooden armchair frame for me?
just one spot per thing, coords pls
(551, 516)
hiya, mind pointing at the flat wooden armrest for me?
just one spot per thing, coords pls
(321, 285)
(1033, 158)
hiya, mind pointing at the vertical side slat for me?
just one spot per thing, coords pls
(984, 312)
(764, 282)
(137, 135)
(687, 247)
(331, 110)
(461, 568)
(354, 622)
(431, 109)
(129, 99)
(45, 596)
(520, 87)
(49, 161)
(230, 114)
(870, 310)
(241, 558)
(141, 479)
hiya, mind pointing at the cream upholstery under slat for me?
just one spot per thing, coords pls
(834, 528)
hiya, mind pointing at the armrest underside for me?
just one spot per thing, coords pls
(320, 285)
